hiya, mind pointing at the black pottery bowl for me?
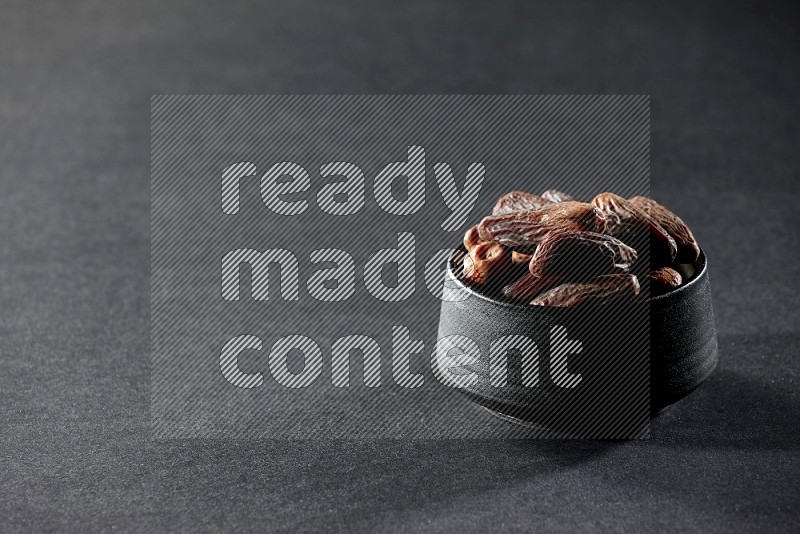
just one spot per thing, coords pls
(667, 342)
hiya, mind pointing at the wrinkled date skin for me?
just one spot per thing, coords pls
(528, 228)
(487, 262)
(471, 238)
(663, 279)
(571, 256)
(553, 195)
(601, 290)
(528, 286)
(688, 249)
(553, 250)
(631, 224)
(518, 201)
(581, 255)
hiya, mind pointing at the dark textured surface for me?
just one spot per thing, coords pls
(74, 372)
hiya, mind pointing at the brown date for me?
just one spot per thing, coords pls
(528, 286)
(688, 249)
(518, 201)
(580, 255)
(471, 238)
(663, 280)
(528, 228)
(554, 195)
(552, 250)
(629, 223)
(573, 256)
(487, 262)
(602, 289)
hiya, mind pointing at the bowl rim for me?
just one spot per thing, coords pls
(701, 270)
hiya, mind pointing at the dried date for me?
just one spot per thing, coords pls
(632, 225)
(663, 280)
(554, 195)
(580, 255)
(528, 286)
(471, 238)
(487, 262)
(575, 256)
(688, 249)
(518, 201)
(552, 250)
(528, 228)
(601, 290)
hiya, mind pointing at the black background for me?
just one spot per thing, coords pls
(76, 81)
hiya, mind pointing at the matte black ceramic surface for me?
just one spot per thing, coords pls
(671, 337)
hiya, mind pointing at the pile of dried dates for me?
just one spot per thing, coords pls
(554, 250)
